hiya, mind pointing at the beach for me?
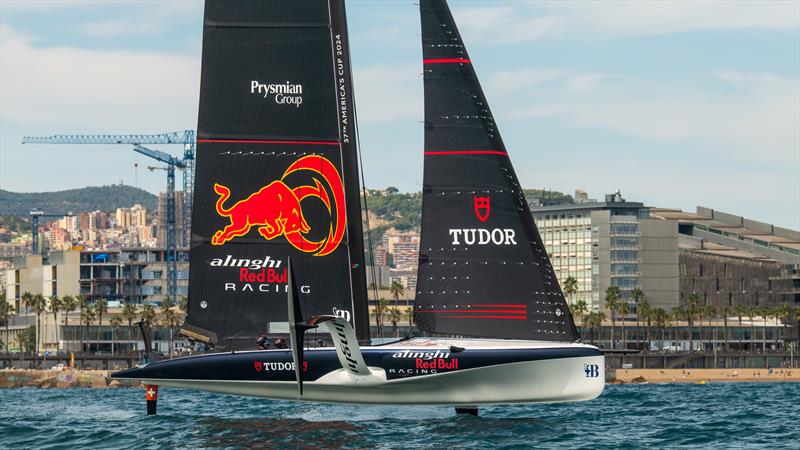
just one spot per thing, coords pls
(705, 375)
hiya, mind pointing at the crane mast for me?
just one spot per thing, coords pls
(187, 139)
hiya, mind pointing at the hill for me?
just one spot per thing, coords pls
(103, 198)
(390, 208)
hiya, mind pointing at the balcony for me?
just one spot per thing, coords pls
(624, 274)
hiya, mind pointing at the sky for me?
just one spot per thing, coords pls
(674, 103)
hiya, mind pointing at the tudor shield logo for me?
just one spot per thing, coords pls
(258, 366)
(483, 207)
(276, 209)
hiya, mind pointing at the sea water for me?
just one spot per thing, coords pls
(716, 415)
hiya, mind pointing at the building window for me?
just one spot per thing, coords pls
(701, 270)
(717, 284)
(741, 285)
(730, 299)
(624, 255)
(623, 228)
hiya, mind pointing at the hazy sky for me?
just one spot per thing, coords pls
(676, 104)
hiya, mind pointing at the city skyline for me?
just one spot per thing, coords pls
(683, 103)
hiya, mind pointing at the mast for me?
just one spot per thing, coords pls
(483, 269)
(347, 131)
(275, 175)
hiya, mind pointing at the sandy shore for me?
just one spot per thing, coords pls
(705, 375)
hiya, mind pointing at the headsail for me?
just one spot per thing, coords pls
(483, 267)
(276, 172)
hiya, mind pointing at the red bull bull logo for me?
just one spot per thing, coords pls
(276, 209)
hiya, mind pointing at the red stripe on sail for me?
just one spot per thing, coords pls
(263, 141)
(487, 317)
(466, 311)
(446, 61)
(468, 152)
(502, 306)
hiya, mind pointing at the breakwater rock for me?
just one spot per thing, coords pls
(97, 379)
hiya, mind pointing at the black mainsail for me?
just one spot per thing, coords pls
(483, 269)
(276, 172)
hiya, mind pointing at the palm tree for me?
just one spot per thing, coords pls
(410, 316)
(765, 312)
(170, 319)
(394, 317)
(752, 312)
(726, 311)
(595, 320)
(676, 314)
(115, 323)
(39, 304)
(6, 311)
(661, 319)
(740, 311)
(637, 296)
(68, 304)
(570, 286)
(580, 308)
(100, 307)
(396, 289)
(710, 312)
(87, 316)
(148, 314)
(183, 303)
(380, 307)
(691, 311)
(623, 309)
(25, 299)
(612, 304)
(782, 312)
(55, 307)
(83, 304)
(129, 313)
(647, 313)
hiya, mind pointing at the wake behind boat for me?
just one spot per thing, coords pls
(277, 215)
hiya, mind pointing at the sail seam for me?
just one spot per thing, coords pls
(267, 141)
(467, 152)
(447, 61)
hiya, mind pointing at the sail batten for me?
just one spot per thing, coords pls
(275, 175)
(483, 269)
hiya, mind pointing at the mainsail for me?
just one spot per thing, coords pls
(483, 270)
(276, 172)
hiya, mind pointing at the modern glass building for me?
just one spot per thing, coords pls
(611, 243)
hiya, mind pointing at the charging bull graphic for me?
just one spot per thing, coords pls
(275, 209)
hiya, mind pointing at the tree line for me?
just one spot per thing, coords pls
(31, 338)
(660, 325)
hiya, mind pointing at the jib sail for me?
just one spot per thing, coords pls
(276, 172)
(483, 268)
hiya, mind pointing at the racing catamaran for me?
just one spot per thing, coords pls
(277, 217)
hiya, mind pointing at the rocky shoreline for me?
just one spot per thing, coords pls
(64, 379)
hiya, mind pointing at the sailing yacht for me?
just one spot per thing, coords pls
(277, 232)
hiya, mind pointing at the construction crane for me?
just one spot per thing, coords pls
(186, 137)
(172, 253)
(35, 215)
